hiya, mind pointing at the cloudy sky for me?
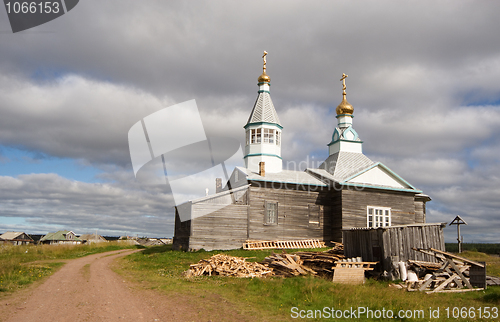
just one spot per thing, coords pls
(423, 78)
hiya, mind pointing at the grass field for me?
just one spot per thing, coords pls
(22, 265)
(273, 298)
(475, 247)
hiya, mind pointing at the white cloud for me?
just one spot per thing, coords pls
(48, 200)
(422, 78)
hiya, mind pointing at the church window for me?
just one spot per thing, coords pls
(278, 137)
(315, 215)
(248, 137)
(256, 136)
(271, 216)
(269, 136)
(378, 217)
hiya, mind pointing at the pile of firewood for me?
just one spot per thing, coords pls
(285, 265)
(320, 262)
(303, 263)
(226, 265)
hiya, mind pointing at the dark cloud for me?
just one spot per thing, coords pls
(422, 78)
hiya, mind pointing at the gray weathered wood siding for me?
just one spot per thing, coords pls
(393, 244)
(419, 211)
(293, 213)
(220, 227)
(355, 203)
(224, 228)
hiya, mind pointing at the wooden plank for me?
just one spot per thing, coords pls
(459, 273)
(457, 257)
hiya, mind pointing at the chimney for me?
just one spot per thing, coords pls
(262, 169)
(218, 185)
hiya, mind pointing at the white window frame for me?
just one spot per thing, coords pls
(377, 216)
(256, 136)
(268, 135)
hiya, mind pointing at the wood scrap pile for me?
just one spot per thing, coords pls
(287, 265)
(320, 262)
(226, 265)
(452, 273)
(303, 263)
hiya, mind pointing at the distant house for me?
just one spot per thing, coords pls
(16, 238)
(61, 237)
(92, 238)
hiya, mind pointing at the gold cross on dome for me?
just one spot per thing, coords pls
(344, 76)
(264, 58)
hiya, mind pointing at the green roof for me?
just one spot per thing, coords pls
(60, 235)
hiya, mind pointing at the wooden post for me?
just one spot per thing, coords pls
(459, 221)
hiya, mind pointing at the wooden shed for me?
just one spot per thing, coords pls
(394, 243)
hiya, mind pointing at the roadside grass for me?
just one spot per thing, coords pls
(23, 265)
(273, 298)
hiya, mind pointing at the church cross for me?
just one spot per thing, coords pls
(264, 58)
(344, 76)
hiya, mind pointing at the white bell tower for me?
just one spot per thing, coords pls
(263, 130)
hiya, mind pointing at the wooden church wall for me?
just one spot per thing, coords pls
(224, 228)
(355, 203)
(294, 204)
(419, 211)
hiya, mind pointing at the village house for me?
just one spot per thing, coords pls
(60, 237)
(92, 238)
(16, 238)
(263, 201)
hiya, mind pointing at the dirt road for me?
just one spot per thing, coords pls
(86, 289)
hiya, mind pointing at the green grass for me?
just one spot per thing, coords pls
(272, 298)
(23, 265)
(487, 248)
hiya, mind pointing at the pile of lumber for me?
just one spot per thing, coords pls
(451, 273)
(287, 265)
(320, 262)
(303, 263)
(226, 265)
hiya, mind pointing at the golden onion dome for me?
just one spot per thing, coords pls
(264, 78)
(344, 107)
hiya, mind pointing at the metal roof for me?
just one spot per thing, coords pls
(342, 165)
(59, 235)
(263, 110)
(10, 235)
(285, 176)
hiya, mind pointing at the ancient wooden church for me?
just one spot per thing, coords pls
(263, 201)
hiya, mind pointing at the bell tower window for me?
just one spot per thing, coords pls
(269, 136)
